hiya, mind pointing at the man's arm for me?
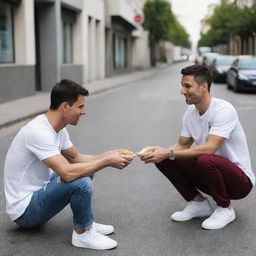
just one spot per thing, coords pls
(71, 165)
(74, 156)
(159, 154)
(212, 144)
(183, 149)
(183, 143)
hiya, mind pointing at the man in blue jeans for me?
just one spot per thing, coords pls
(44, 172)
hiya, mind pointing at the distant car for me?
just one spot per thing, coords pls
(198, 60)
(220, 66)
(208, 58)
(242, 74)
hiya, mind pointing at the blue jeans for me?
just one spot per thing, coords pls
(52, 198)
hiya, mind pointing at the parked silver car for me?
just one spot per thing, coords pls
(242, 74)
(220, 66)
(208, 58)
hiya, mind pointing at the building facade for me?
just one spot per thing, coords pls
(17, 49)
(127, 45)
(43, 41)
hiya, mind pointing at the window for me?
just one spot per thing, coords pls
(120, 52)
(6, 33)
(67, 41)
(68, 20)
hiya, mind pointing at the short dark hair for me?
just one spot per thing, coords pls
(66, 91)
(200, 73)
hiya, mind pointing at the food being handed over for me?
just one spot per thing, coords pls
(145, 151)
(124, 152)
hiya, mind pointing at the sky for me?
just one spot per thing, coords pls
(190, 13)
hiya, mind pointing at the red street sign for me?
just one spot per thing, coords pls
(138, 18)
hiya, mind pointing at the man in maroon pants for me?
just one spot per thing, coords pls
(211, 154)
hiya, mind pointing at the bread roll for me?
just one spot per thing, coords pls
(145, 151)
(127, 153)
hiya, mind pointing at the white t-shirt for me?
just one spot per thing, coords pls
(24, 171)
(220, 119)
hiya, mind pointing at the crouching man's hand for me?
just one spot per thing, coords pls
(119, 158)
(154, 154)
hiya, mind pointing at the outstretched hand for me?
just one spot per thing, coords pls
(118, 160)
(154, 154)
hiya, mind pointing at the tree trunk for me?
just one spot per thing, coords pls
(153, 50)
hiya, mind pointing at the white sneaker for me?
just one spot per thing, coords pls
(220, 218)
(193, 210)
(103, 229)
(91, 239)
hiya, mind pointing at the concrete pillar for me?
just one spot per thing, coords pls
(91, 49)
(100, 33)
(78, 39)
(97, 55)
(24, 33)
(50, 34)
(129, 52)
(109, 52)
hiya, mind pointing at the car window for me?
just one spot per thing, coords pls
(224, 62)
(247, 64)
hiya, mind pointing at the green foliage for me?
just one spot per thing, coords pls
(248, 26)
(206, 40)
(158, 19)
(229, 20)
(179, 36)
(162, 24)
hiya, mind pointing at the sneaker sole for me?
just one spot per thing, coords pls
(201, 216)
(107, 233)
(83, 245)
(206, 228)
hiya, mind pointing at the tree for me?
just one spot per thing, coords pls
(178, 35)
(206, 39)
(229, 20)
(158, 20)
(163, 25)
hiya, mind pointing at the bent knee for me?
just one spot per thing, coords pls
(165, 164)
(83, 183)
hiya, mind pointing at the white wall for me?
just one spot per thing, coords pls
(122, 8)
(24, 33)
(79, 35)
(141, 52)
(94, 39)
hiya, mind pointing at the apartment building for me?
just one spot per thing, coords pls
(127, 45)
(43, 41)
(17, 49)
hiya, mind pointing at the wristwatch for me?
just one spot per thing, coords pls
(172, 155)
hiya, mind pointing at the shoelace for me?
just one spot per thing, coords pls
(94, 233)
(216, 212)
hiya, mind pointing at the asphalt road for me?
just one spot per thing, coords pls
(138, 200)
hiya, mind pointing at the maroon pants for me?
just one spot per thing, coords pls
(212, 174)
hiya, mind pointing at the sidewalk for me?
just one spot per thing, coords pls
(17, 110)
